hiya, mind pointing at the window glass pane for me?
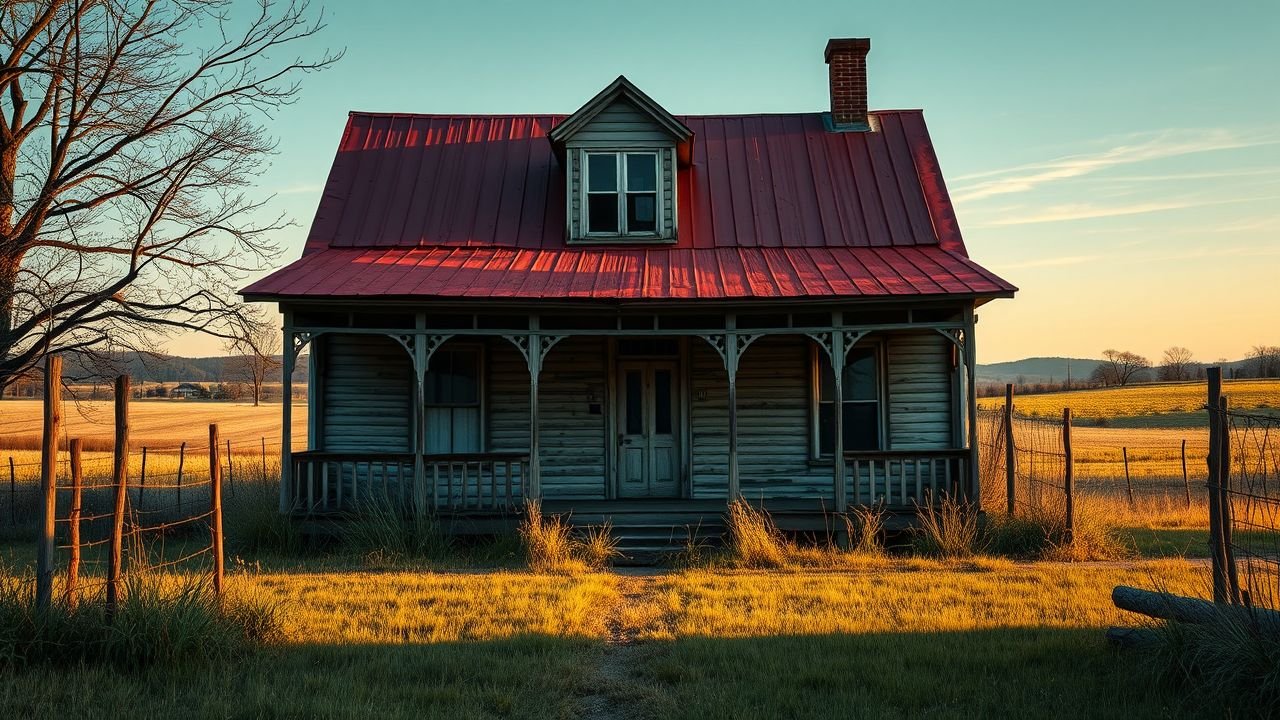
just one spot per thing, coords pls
(642, 212)
(826, 379)
(826, 428)
(642, 172)
(453, 378)
(602, 172)
(662, 402)
(602, 213)
(635, 403)
(860, 375)
(861, 426)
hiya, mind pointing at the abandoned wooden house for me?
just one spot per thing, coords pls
(634, 315)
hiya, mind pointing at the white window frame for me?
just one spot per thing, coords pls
(816, 357)
(621, 192)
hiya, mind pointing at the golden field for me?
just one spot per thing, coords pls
(1144, 399)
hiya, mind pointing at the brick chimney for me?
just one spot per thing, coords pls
(847, 58)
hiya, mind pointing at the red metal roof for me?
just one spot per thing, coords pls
(772, 206)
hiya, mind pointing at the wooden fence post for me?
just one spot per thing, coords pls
(142, 479)
(119, 478)
(1010, 456)
(13, 494)
(1216, 554)
(1128, 484)
(1069, 475)
(73, 522)
(215, 506)
(1186, 480)
(182, 457)
(1224, 500)
(231, 471)
(49, 479)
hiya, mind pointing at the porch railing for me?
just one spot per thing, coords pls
(906, 478)
(332, 482)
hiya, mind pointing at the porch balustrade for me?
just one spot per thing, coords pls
(335, 482)
(905, 479)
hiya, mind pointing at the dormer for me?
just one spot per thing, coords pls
(620, 152)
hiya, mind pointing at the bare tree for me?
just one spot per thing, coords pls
(1264, 361)
(1120, 367)
(131, 132)
(255, 349)
(1177, 364)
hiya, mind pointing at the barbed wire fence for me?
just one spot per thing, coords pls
(1244, 503)
(99, 520)
(1027, 465)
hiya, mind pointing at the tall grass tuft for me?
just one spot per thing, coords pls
(382, 532)
(754, 539)
(598, 548)
(254, 523)
(1235, 656)
(549, 545)
(163, 620)
(949, 529)
(865, 528)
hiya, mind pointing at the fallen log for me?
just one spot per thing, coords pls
(1166, 606)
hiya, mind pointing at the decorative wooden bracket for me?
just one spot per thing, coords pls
(730, 347)
(534, 348)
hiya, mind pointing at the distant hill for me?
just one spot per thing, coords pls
(1046, 369)
(1036, 370)
(146, 368)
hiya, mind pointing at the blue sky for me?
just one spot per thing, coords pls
(1119, 161)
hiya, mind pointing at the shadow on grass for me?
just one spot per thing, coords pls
(989, 673)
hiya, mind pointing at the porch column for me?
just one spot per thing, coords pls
(971, 397)
(837, 344)
(730, 347)
(838, 355)
(293, 344)
(420, 359)
(534, 347)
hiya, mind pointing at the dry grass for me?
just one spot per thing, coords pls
(948, 529)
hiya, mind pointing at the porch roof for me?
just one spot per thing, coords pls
(631, 273)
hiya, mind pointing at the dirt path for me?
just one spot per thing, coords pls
(613, 677)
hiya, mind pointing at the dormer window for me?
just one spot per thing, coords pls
(622, 194)
(620, 153)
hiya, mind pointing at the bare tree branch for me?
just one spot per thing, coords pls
(131, 134)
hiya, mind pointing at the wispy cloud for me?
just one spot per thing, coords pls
(1047, 262)
(1127, 150)
(1085, 211)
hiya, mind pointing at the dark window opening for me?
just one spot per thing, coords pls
(860, 404)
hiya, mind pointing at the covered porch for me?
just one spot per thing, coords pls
(470, 414)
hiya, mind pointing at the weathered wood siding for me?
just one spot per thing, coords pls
(773, 422)
(366, 394)
(920, 378)
(572, 438)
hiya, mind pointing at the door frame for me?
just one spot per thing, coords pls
(613, 390)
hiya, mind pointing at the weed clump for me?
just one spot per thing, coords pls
(161, 621)
(948, 530)
(754, 539)
(551, 547)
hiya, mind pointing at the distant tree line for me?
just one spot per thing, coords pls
(1119, 368)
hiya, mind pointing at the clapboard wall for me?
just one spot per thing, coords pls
(366, 393)
(572, 437)
(920, 379)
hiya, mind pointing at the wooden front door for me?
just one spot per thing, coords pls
(648, 423)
